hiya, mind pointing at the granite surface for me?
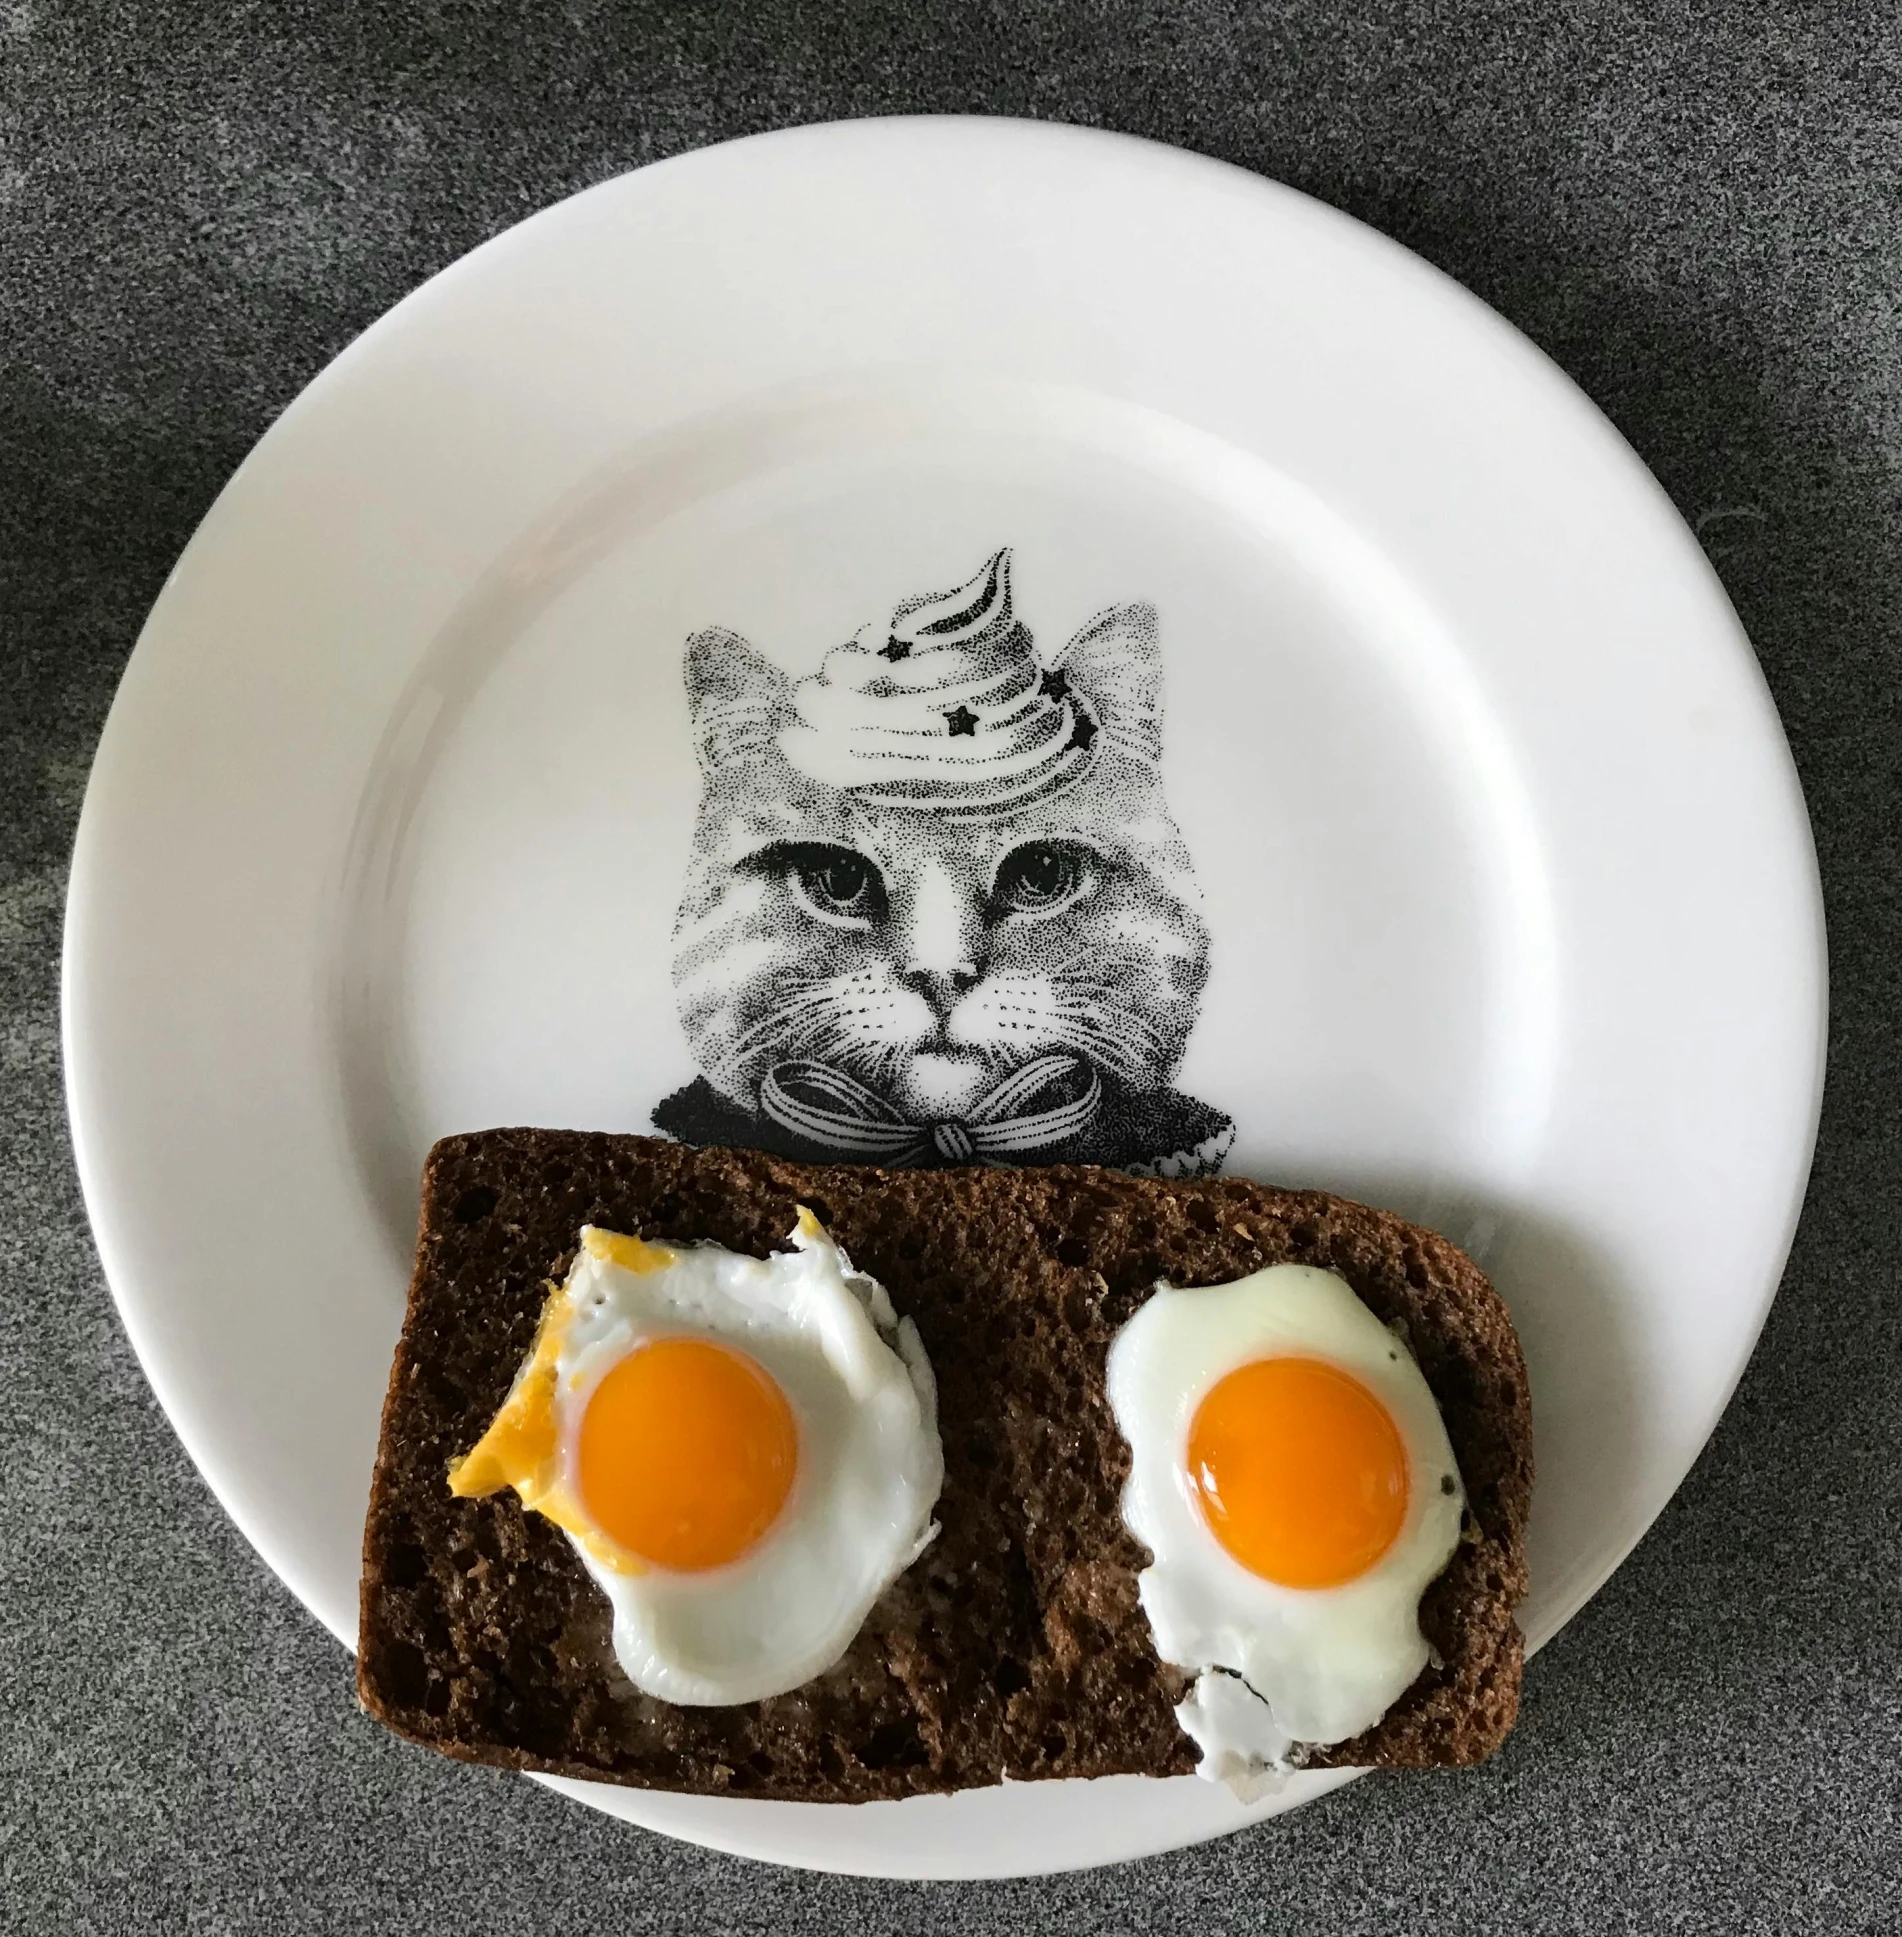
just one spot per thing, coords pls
(1693, 207)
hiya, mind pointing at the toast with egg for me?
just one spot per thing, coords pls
(1015, 1646)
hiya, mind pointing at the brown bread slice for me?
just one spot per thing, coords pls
(1015, 1646)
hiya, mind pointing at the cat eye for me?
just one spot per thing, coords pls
(836, 883)
(1040, 877)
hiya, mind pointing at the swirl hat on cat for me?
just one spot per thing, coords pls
(945, 706)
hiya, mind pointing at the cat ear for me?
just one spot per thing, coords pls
(736, 699)
(1115, 662)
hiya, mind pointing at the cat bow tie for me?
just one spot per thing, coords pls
(823, 1104)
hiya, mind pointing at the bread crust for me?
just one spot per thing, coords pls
(1015, 1647)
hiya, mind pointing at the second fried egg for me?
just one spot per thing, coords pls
(1292, 1478)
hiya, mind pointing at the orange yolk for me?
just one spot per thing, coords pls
(1299, 1471)
(686, 1453)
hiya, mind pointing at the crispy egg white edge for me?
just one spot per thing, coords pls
(1327, 1662)
(871, 1464)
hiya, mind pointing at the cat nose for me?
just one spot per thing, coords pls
(942, 987)
(939, 933)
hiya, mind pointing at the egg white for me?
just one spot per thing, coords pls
(1280, 1668)
(870, 1464)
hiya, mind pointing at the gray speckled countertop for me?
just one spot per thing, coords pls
(1697, 209)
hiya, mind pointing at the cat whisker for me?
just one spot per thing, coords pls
(1092, 1042)
(1124, 1027)
(1123, 993)
(805, 1011)
(795, 1011)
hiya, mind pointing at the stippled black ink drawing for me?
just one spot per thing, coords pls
(937, 909)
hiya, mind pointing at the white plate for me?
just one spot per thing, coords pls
(1512, 912)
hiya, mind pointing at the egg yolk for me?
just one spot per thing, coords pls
(686, 1453)
(1299, 1471)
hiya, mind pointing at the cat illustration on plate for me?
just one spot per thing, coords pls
(937, 910)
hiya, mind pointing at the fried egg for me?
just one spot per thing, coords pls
(743, 1452)
(1292, 1479)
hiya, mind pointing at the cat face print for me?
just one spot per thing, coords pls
(937, 910)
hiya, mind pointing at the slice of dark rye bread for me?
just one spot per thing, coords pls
(1015, 1647)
